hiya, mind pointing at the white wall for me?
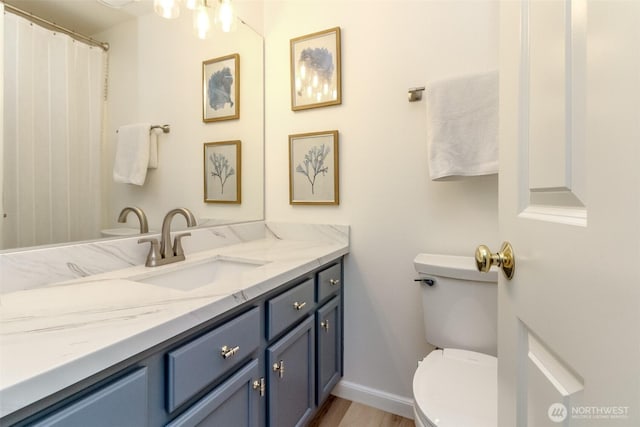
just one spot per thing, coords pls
(155, 68)
(2, 219)
(393, 209)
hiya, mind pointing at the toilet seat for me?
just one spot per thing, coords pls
(454, 388)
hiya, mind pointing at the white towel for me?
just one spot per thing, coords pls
(462, 126)
(153, 151)
(132, 154)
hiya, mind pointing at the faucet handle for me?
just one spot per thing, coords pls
(177, 243)
(154, 251)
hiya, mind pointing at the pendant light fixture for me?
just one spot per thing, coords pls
(203, 20)
(168, 9)
(206, 14)
(226, 16)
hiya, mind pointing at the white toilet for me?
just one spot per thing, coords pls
(456, 384)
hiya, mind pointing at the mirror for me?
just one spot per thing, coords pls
(154, 75)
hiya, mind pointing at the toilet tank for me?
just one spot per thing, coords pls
(460, 307)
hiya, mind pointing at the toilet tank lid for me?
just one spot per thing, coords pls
(453, 266)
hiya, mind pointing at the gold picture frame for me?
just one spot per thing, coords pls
(316, 70)
(313, 168)
(221, 88)
(223, 172)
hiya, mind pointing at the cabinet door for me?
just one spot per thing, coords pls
(290, 384)
(329, 348)
(233, 403)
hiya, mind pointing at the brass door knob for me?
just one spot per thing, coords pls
(505, 259)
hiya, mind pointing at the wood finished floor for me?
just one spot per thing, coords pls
(337, 412)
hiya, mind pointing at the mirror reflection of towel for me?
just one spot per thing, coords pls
(462, 126)
(132, 154)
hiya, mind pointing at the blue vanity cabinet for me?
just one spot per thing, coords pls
(329, 336)
(329, 348)
(233, 403)
(290, 381)
(268, 362)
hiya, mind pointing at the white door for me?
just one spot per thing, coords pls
(569, 321)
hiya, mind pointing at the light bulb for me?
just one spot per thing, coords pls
(168, 9)
(226, 16)
(202, 22)
(192, 4)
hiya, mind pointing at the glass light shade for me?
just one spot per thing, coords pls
(169, 9)
(203, 22)
(226, 16)
(192, 4)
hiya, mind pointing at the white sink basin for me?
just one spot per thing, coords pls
(222, 273)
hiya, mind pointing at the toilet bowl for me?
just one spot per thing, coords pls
(456, 388)
(456, 384)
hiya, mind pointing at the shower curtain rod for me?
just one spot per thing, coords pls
(34, 18)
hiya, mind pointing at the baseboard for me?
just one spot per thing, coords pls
(378, 399)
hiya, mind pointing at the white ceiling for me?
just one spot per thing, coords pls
(87, 17)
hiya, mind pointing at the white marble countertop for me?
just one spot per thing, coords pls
(56, 335)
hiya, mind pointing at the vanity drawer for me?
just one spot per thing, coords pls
(329, 281)
(200, 362)
(287, 308)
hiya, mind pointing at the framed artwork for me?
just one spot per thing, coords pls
(221, 88)
(222, 172)
(313, 168)
(315, 70)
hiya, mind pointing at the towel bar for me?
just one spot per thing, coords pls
(165, 128)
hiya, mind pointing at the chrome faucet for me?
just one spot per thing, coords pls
(165, 253)
(142, 218)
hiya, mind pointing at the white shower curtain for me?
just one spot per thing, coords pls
(53, 106)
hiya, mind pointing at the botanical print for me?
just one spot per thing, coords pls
(219, 92)
(314, 164)
(221, 88)
(222, 163)
(313, 168)
(221, 169)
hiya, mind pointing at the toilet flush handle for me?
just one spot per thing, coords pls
(425, 281)
(505, 259)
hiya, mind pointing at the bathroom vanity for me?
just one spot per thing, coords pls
(259, 346)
